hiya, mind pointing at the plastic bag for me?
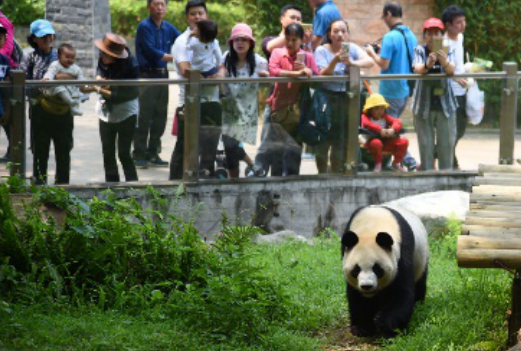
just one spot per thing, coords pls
(475, 104)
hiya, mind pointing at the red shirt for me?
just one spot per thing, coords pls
(390, 122)
(286, 94)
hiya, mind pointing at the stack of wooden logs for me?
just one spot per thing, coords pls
(491, 234)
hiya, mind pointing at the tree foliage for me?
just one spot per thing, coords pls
(23, 12)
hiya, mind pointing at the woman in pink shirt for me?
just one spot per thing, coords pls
(289, 61)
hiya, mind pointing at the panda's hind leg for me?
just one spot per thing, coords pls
(421, 287)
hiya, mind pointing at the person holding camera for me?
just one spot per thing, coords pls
(434, 104)
(395, 58)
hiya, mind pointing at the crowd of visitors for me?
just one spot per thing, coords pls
(132, 120)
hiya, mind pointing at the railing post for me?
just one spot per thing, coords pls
(508, 115)
(18, 140)
(352, 122)
(192, 113)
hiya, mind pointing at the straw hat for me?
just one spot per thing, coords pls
(112, 45)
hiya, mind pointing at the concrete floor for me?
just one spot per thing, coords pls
(87, 161)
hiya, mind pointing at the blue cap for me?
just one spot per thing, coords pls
(41, 28)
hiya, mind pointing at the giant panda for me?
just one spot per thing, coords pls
(384, 257)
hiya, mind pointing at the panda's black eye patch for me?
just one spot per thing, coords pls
(378, 271)
(356, 271)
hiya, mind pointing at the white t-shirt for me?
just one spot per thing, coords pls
(323, 56)
(181, 53)
(456, 46)
(205, 56)
(240, 106)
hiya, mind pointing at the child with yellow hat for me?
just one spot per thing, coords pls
(386, 128)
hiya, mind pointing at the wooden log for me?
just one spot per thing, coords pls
(496, 189)
(494, 214)
(495, 207)
(495, 236)
(466, 229)
(498, 169)
(497, 181)
(491, 198)
(495, 222)
(488, 258)
(495, 243)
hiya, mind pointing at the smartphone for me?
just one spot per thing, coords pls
(344, 48)
(307, 26)
(301, 57)
(437, 44)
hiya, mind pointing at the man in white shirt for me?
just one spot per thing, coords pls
(195, 11)
(454, 19)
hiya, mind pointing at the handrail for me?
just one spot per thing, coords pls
(268, 80)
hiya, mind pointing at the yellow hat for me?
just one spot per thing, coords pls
(375, 100)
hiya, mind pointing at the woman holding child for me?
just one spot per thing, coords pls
(290, 61)
(119, 106)
(51, 120)
(334, 57)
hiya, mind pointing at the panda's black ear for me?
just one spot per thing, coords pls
(384, 240)
(349, 240)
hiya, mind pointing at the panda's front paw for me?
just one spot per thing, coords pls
(386, 326)
(362, 332)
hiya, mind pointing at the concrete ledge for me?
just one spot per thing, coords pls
(306, 205)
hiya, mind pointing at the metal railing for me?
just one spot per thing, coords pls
(194, 82)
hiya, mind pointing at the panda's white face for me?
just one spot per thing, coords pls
(372, 251)
(368, 270)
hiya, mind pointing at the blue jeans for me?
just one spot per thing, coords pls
(395, 109)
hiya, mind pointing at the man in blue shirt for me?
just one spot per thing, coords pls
(325, 12)
(154, 40)
(395, 58)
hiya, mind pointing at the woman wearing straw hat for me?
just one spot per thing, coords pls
(118, 106)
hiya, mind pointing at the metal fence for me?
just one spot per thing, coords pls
(194, 83)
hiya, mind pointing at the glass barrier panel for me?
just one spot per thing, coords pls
(97, 141)
(282, 129)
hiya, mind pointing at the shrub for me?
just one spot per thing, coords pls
(114, 254)
(126, 16)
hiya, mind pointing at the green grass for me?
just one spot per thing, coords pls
(464, 310)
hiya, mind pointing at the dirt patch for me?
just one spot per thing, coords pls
(339, 338)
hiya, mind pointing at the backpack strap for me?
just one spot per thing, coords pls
(406, 45)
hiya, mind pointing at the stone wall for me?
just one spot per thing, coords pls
(306, 206)
(364, 17)
(79, 22)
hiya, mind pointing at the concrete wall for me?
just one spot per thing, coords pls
(79, 22)
(306, 206)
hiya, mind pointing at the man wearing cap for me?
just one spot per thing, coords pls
(154, 38)
(454, 19)
(325, 12)
(395, 58)
(195, 11)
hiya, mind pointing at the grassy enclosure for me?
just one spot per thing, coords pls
(115, 276)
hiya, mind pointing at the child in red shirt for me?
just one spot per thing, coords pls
(387, 128)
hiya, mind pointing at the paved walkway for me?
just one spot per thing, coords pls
(87, 161)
